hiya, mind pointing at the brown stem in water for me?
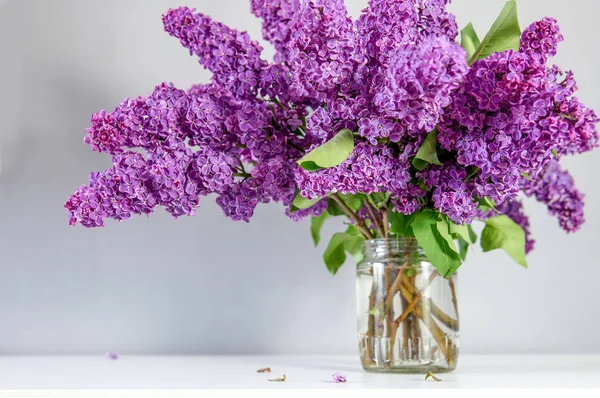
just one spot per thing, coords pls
(435, 310)
(371, 324)
(415, 300)
(454, 300)
(438, 334)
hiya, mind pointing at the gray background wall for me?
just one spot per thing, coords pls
(205, 284)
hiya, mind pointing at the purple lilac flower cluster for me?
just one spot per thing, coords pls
(511, 115)
(556, 188)
(391, 76)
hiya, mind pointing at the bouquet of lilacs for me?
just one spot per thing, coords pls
(384, 119)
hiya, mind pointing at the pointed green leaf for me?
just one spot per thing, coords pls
(436, 248)
(443, 228)
(486, 204)
(501, 232)
(462, 231)
(316, 224)
(555, 153)
(400, 223)
(428, 152)
(334, 209)
(332, 153)
(300, 202)
(469, 40)
(472, 234)
(505, 34)
(463, 248)
(340, 243)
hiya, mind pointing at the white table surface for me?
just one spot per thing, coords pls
(232, 372)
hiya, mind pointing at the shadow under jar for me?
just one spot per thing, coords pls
(407, 312)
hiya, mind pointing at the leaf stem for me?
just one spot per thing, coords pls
(385, 213)
(372, 213)
(360, 224)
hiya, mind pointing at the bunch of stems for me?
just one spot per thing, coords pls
(401, 281)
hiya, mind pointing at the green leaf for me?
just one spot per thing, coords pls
(555, 153)
(334, 209)
(469, 40)
(400, 223)
(463, 248)
(332, 153)
(437, 249)
(428, 152)
(487, 204)
(300, 202)
(472, 234)
(505, 34)
(443, 228)
(340, 243)
(380, 198)
(316, 224)
(462, 231)
(501, 232)
(434, 377)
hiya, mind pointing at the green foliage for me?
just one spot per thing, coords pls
(316, 224)
(505, 34)
(427, 154)
(350, 242)
(300, 202)
(332, 153)
(463, 248)
(486, 204)
(502, 232)
(400, 223)
(469, 40)
(440, 251)
(462, 231)
(443, 227)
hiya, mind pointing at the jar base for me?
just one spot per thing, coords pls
(419, 355)
(400, 369)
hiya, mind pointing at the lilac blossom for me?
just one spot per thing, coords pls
(339, 377)
(556, 188)
(392, 76)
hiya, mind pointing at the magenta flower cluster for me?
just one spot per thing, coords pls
(391, 76)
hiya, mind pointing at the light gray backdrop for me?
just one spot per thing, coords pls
(206, 284)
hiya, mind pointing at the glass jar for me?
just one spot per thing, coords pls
(407, 312)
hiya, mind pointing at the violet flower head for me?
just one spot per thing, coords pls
(322, 51)
(369, 169)
(232, 56)
(540, 40)
(391, 77)
(419, 82)
(276, 15)
(556, 188)
(451, 195)
(239, 202)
